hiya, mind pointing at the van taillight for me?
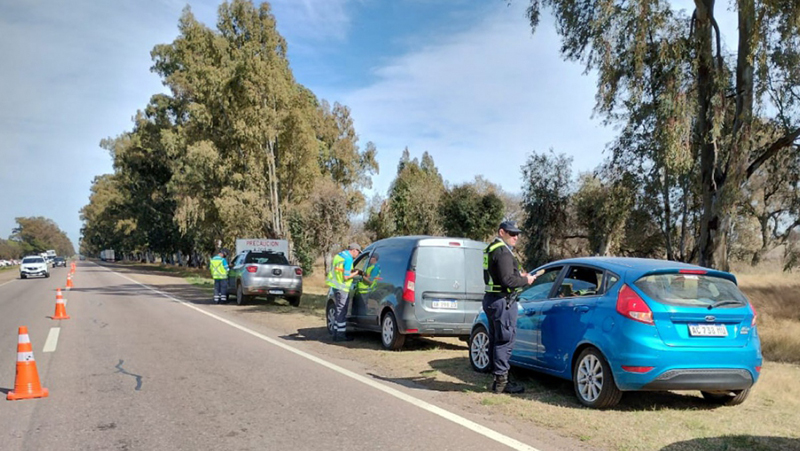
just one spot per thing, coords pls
(252, 268)
(408, 287)
(631, 305)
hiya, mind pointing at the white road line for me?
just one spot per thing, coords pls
(446, 414)
(52, 339)
(13, 280)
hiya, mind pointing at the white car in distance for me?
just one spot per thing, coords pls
(33, 265)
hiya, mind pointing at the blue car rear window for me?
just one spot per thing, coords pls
(689, 289)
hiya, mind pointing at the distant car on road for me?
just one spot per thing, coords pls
(612, 325)
(264, 274)
(59, 261)
(33, 265)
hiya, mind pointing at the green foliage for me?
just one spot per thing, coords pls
(34, 235)
(414, 196)
(547, 189)
(466, 213)
(602, 209)
(691, 112)
(233, 150)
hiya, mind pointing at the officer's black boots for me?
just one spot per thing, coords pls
(341, 336)
(503, 385)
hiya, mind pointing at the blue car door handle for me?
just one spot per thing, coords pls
(581, 308)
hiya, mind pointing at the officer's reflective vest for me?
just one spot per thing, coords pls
(218, 270)
(491, 286)
(336, 275)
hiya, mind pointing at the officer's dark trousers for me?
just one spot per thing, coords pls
(502, 330)
(220, 290)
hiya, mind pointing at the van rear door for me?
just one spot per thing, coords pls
(440, 282)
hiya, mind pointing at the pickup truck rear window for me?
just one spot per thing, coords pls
(269, 258)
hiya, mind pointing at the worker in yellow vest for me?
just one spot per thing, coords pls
(219, 272)
(340, 278)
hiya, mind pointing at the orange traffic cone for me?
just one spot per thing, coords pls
(61, 308)
(69, 281)
(27, 383)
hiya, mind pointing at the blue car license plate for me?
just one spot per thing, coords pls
(708, 330)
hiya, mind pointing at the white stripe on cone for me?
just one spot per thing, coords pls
(24, 339)
(25, 357)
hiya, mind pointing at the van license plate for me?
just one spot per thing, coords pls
(275, 291)
(445, 304)
(708, 330)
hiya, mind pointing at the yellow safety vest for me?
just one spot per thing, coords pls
(335, 277)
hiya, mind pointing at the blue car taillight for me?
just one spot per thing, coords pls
(631, 305)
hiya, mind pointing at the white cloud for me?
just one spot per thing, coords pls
(480, 101)
(315, 20)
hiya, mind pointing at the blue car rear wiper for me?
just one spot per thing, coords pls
(728, 302)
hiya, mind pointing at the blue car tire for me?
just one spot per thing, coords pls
(593, 381)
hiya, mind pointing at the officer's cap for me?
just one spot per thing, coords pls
(510, 226)
(354, 246)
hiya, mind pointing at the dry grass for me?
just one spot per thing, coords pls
(776, 297)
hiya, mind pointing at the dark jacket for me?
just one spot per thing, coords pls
(504, 269)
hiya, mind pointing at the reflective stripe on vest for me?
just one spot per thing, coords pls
(492, 287)
(218, 269)
(335, 277)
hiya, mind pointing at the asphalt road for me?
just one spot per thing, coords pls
(134, 369)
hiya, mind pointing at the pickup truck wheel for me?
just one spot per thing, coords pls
(391, 338)
(294, 300)
(241, 298)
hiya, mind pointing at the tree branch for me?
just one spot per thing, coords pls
(771, 150)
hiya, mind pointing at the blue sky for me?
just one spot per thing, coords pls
(464, 80)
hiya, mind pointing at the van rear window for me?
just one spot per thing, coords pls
(690, 289)
(445, 263)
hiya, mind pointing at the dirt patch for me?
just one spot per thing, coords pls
(642, 421)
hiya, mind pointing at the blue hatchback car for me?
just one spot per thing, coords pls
(612, 325)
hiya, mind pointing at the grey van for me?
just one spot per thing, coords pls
(422, 285)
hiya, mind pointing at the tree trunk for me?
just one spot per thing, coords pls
(712, 232)
(667, 219)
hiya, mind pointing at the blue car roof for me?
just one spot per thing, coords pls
(637, 267)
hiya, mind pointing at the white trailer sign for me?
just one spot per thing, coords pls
(262, 244)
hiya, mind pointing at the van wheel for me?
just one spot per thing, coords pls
(593, 381)
(294, 301)
(727, 398)
(330, 315)
(391, 338)
(480, 353)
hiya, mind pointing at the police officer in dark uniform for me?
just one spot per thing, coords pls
(503, 277)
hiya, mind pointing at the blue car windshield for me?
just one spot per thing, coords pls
(690, 290)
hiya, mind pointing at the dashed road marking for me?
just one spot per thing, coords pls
(52, 339)
(436, 410)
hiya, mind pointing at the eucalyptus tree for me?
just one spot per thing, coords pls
(730, 93)
(467, 213)
(547, 191)
(414, 196)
